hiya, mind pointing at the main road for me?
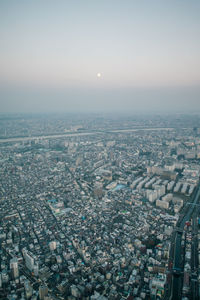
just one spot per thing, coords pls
(176, 290)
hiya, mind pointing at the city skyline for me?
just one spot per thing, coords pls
(99, 207)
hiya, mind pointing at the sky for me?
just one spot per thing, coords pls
(99, 55)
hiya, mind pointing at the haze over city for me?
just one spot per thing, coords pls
(100, 150)
(99, 56)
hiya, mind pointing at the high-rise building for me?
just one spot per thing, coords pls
(43, 291)
(36, 269)
(30, 260)
(4, 276)
(28, 289)
(52, 245)
(14, 267)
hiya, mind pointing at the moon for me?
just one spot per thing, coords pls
(98, 75)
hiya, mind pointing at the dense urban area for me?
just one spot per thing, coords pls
(99, 207)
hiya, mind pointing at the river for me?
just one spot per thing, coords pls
(63, 135)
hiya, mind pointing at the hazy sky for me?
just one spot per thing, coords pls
(147, 52)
